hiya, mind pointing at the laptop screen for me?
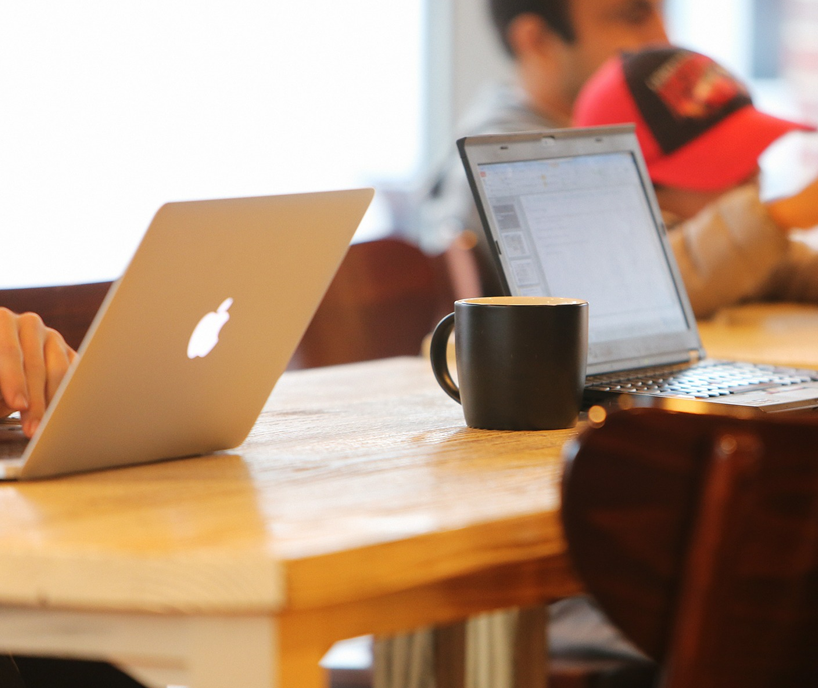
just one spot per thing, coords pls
(582, 226)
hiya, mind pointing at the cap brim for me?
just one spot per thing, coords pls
(724, 156)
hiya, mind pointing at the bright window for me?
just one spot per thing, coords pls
(112, 108)
(747, 36)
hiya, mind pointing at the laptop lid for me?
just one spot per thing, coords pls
(246, 275)
(572, 213)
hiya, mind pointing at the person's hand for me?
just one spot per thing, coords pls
(33, 360)
(799, 211)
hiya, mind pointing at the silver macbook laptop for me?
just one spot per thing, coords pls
(190, 342)
(572, 213)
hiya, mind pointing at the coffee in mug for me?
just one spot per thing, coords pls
(520, 360)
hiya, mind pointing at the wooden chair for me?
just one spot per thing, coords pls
(698, 536)
(386, 297)
(69, 309)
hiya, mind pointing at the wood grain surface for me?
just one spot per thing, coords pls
(358, 483)
(360, 503)
(777, 333)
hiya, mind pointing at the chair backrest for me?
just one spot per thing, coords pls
(698, 536)
(386, 297)
(69, 309)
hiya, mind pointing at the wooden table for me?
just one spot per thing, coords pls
(778, 333)
(360, 504)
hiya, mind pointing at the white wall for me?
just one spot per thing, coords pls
(465, 55)
(112, 108)
(724, 31)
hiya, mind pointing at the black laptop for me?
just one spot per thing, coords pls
(572, 213)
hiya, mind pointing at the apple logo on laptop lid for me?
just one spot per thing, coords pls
(206, 333)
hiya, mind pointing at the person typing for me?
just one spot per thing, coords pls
(33, 361)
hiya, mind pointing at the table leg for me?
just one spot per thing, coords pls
(300, 662)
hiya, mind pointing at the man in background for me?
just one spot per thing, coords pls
(556, 45)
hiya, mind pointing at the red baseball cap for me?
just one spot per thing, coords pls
(696, 123)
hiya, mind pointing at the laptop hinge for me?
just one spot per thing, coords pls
(695, 355)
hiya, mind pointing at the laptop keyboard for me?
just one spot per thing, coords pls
(705, 380)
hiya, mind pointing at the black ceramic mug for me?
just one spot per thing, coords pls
(520, 361)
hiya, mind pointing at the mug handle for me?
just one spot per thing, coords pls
(438, 350)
